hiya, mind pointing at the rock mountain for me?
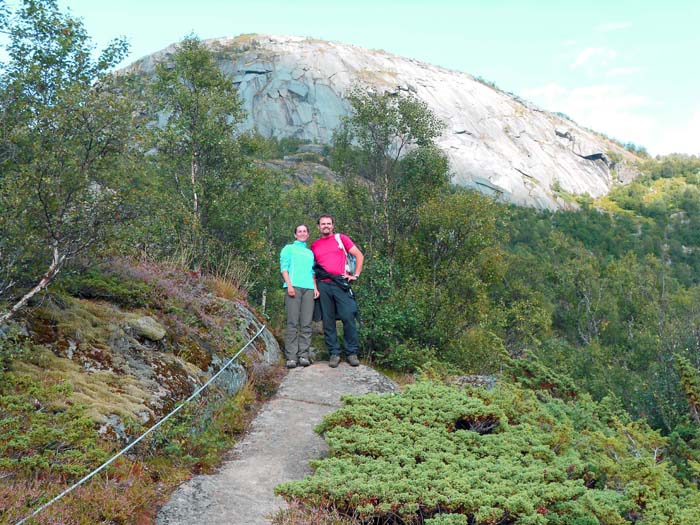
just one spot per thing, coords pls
(495, 141)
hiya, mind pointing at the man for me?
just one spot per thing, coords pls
(337, 301)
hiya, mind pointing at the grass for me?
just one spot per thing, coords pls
(298, 514)
(81, 367)
(123, 496)
(192, 442)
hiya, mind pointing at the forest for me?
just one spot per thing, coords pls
(590, 316)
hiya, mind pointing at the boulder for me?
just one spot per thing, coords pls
(147, 327)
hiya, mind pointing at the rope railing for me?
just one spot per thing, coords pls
(140, 438)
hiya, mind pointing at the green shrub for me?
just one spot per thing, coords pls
(507, 455)
(477, 351)
(690, 384)
(93, 284)
(408, 356)
(40, 433)
(13, 345)
(532, 374)
(447, 519)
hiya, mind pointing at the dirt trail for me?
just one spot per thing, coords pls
(277, 448)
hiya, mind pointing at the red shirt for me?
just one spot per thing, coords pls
(330, 255)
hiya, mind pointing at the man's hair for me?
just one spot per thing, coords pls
(326, 216)
(299, 226)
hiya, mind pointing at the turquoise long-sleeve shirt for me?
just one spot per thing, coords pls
(298, 260)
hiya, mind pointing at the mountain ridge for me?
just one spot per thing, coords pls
(496, 142)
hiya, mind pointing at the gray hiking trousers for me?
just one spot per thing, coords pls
(297, 335)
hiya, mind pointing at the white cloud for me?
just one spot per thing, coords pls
(608, 109)
(683, 138)
(623, 115)
(593, 57)
(613, 26)
(623, 71)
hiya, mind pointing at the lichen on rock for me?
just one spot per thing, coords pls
(133, 366)
(147, 327)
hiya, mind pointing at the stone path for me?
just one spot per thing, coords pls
(277, 448)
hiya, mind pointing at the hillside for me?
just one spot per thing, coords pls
(133, 257)
(496, 142)
(101, 361)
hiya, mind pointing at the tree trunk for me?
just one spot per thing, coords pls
(194, 169)
(53, 270)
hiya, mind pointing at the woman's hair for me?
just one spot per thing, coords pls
(299, 226)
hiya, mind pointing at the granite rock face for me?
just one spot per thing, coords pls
(496, 142)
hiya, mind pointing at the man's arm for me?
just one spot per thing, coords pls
(360, 259)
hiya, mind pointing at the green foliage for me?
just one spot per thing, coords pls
(447, 519)
(636, 149)
(455, 251)
(406, 355)
(690, 384)
(391, 317)
(13, 346)
(684, 452)
(92, 283)
(477, 350)
(214, 202)
(437, 454)
(67, 130)
(618, 288)
(533, 375)
(388, 140)
(202, 432)
(40, 433)
(197, 153)
(453, 238)
(255, 145)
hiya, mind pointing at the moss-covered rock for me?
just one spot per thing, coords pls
(147, 327)
(133, 361)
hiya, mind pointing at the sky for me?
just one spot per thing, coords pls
(628, 69)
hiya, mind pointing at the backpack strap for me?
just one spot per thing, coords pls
(340, 243)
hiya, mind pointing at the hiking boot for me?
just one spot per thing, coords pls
(304, 361)
(353, 360)
(334, 361)
(291, 363)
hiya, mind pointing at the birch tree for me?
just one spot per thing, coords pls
(65, 134)
(197, 151)
(389, 140)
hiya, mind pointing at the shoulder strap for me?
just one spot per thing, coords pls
(340, 243)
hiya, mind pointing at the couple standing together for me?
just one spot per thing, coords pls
(320, 273)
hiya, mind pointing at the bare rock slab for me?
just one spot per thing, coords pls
(496, 142)
(277, 448)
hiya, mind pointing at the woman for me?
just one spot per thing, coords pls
(296, 265)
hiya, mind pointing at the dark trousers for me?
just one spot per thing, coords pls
(337, 303)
